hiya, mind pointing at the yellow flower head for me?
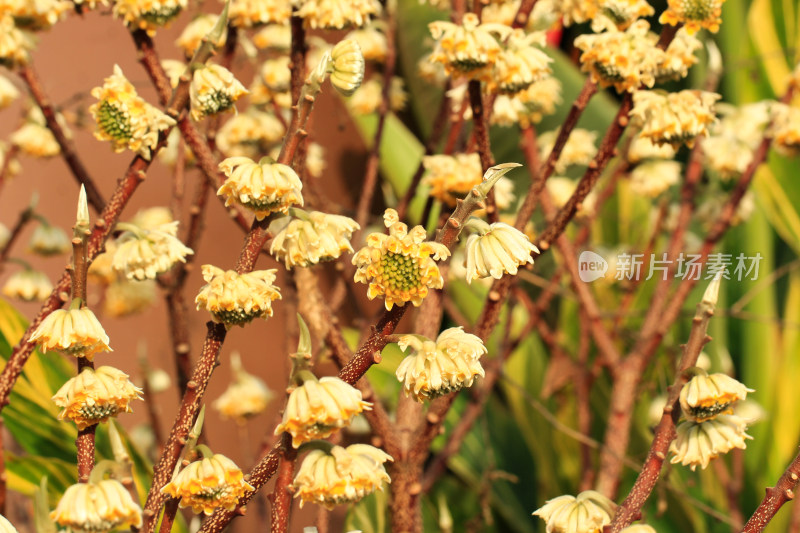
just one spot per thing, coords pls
(249, 13)
(651, 178)
(246, 397)
(263, 187)
(785, 129)
(37, 15)
(623, 59)
(214, 89)
(276, 37)
(148, 15)
(28, 285)
(520, 63)
(249, 134)
(15, 44)
(496, 249)
(573, 11)
(75, 332)
(317, 409)
(145, 253)
(400, 266)
(619, 13)
(208, 484)
(729, 148)
(347, 64)
(642, 148)
(372, 42)
(674, 118)
(236, 299)
(698, 443)
(310, 237)
(124, 298)
(678, 57)
(194, 33)
(579, 150)
(345, 475)
(589, 512)
(452, 177)
(538, 100)
(101, 506)
(336, 14)
(706, 396)
(125, 119)
(368, 97)
(435, 368)
(94, 396)
(693, 14)
(467, 49)
(35, 138)
(272, 82)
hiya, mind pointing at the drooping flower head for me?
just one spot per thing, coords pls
(148, 15)
(249, 134)
(400, 266)
(653, 177)
(214, 89)
(75, 332)
(694, 14)
(520, 63)
(250, 13)
(125, 119)
(245, 397)
(678, 57)
(336, 14)
(37, 15)
(435, 368)
(674, 118)
(589, 512)
(15, 44)
(124, 298)
(620, 13)
(785, 129)
(467, 49)
(706, 396)
(538, 100)
(496, 249)
(318, 408)
(235, 299)
(579, 150)
(145, 253)
(95, 395)
(35, 139)
(263, 187)
(195, 31)
(343, 475)
(729, 148)
(94, 507)
(698, 443)
(347, 64)
(308, 238)
(367, 98)
(28, 285)
(8, 92)
(208, 484)
(452, 177)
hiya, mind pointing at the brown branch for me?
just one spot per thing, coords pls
(24, 217)
(68, 151)
(9, 157)
(775, 497)
(281, 497)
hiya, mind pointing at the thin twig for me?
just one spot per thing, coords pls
(776, 496)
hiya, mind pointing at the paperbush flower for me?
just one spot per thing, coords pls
(368, 97)
(15, 44)
(249, 13)
(39, 15)
(467, 49)
(6, 526)
(274, 37)
(520, 63)
(208, 484)
(651, 178)
(400, 266)
(309, 238)
(75, 332)
(28, 285)
(49, 240)
(145, 253)
(245, 397)
(347, 63)
(729, 148)
(496, 249)
(214, 89)
(642, 148)
(148, 15)
(262, 187)
(249, 134)
(694, 14)
(124, 298)
(698, 443)
(317, 409)
(8, 92)
(435, 368)
(35, 138)
(95, 395)
(579, 150)
(125, 119)
(589, 512)
(574, 11)
(152, 218)
(343, 475)
(372, 42)
(538, 100)
(193, 34)
(619, 13)
(452, 177)
(235, 299)
(678, 57)
(785, 129)
(336, 14)
(674, 118)
(706, 396)
(272, 82)
(101, 506)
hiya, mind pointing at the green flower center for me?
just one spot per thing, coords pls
(237, 317)
(97, 413)
(698, 9)
(114, 121)
(400, 272)
(709, 411)
(161, 16)
(215, 102)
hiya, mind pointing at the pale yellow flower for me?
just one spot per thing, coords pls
(152, 218)
(579, 150)
(208, 484)
(174, 69)
(125, 119)
(496, 249)
(653, 177)
(100, 506)
(520, 63)
(435, 368)
(694, 14)
(317, 409)
(245, 397)
(15, 44)
(343, 475)
(706, 396)
(431, 72)
(276, 37)
(622, 59)
(308, 238)
(249, 13)
(37, 15)
(8, 92)
(249, 134)
(698, 443)
(144, 254)
(619, 13)
(400, 266)
(274, 77)
(678, 57)
(75, 332)
(372, 42)
(347, 63)
(785, 129)
(467, 49)
(336, 14)
(101, 270)
(193, 34)
(561, 189)
(674, 118)
(589, 512)
(28, 285)
(574, 11)
(124, 298)
(452, 177)
(148, 15)
(540, 99)
(731, 142)
(236, 299)
(35, 138)
(262, 187)
(369, 96)
(95, 395)
(642, 148)
(49, 240)
(6, 526)
(214, 89)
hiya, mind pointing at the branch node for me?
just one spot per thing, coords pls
(191, 385)
(432, 418)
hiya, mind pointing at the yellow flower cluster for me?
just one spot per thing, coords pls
(247, 396)
(208, 484)
(94, 396)
(35, 138)
(123, 297)
(145, 253)
(674, 118)
(15, 44)
(38, 15)
(730, 145)
(368, 97)
(309, 238)
(263, 187)
(49, 240)
(580, 148)
(785, 129)
(706, 396)
(192, 35)
(496, 249)
(148, 15)
(452, 177)
(400, 266)
(249, 134)
(235, 299)
(249, 13)
(372, 42)
(469, 48)
(125, 119)
(75, 332)
(520, 64)
(589, 512)
(336, 14)
(655, 176)
(678, 57)
(620, 13)
(101, 506)
(694, 14)
(28, 285)
(214, 89)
